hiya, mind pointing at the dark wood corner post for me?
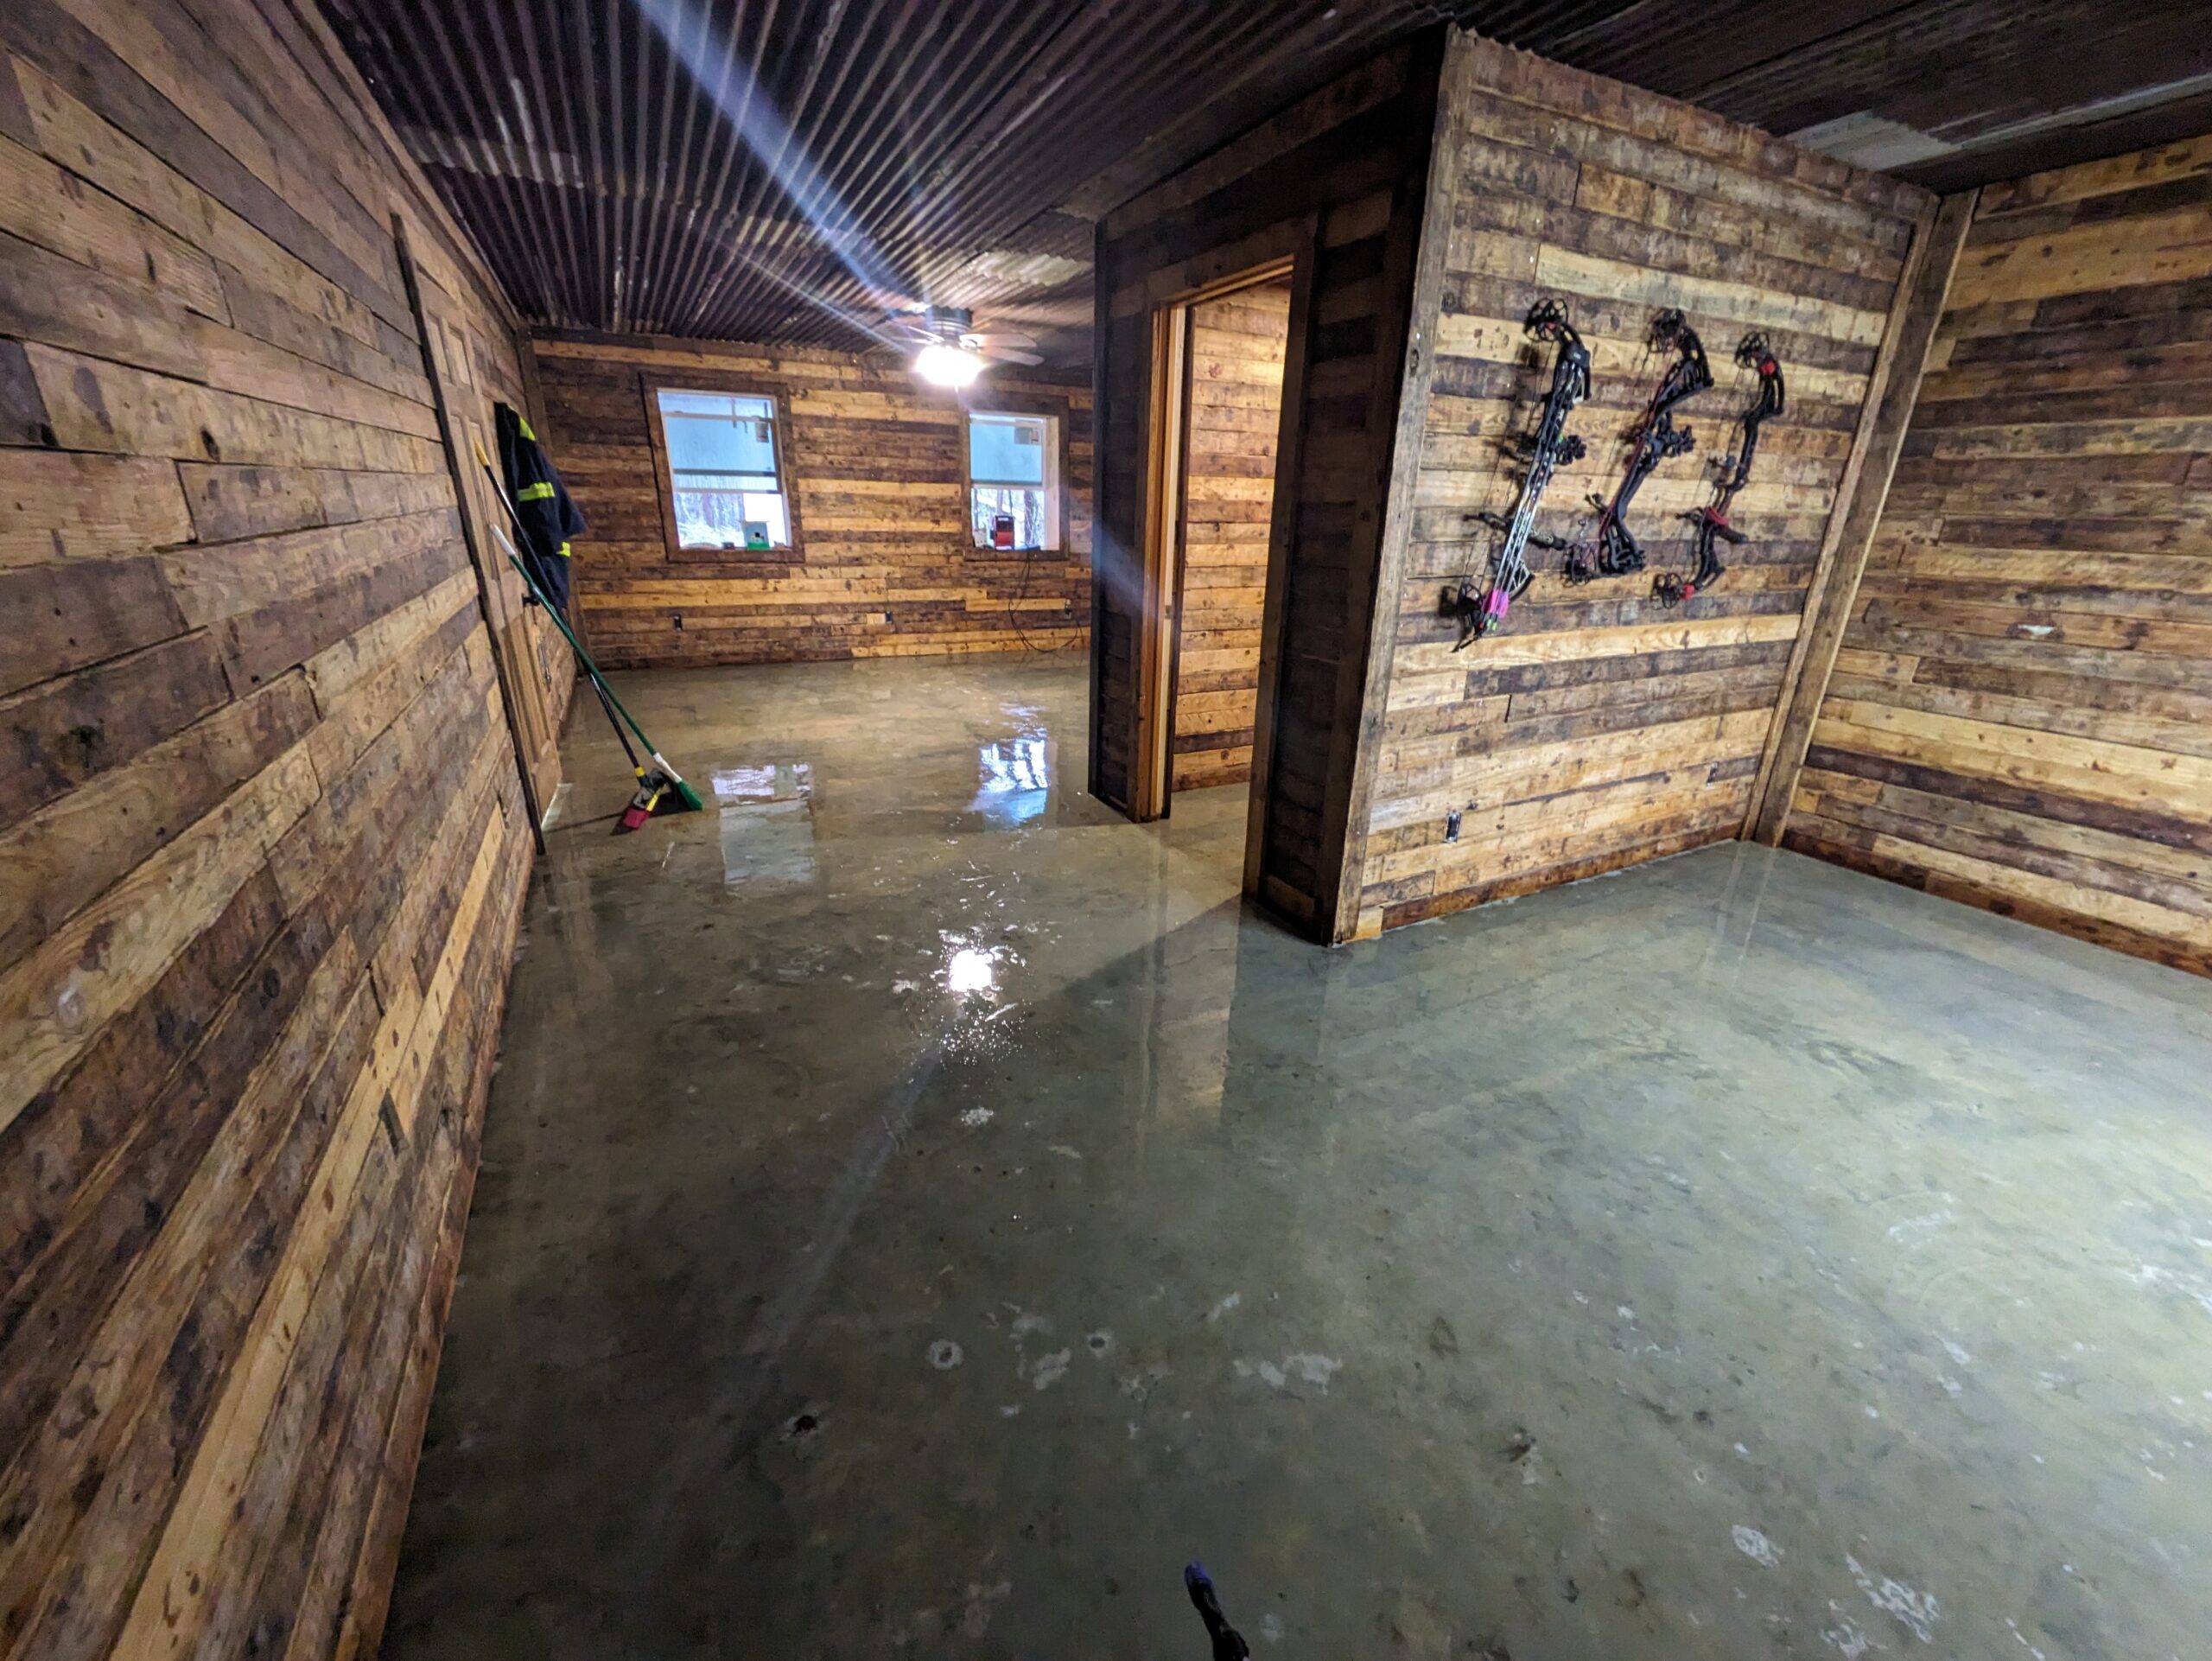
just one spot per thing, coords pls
(1883, 420)
(1282, 528)
(1101, 537)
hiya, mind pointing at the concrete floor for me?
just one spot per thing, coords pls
(920, 1210)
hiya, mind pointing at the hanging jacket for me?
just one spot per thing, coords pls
(549, 517)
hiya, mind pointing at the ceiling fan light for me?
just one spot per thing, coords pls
(947, 365)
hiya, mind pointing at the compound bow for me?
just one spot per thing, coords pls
(1656, 439)
(1478, 610)
(1752, 353)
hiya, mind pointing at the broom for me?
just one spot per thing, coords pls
(661, 789)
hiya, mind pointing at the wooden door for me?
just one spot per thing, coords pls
(464, 407)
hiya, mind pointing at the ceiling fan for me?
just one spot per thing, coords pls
(950, 351)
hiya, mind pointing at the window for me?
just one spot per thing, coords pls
(1014, 473)
(722, 474)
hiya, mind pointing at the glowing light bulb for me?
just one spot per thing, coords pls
(948, 366)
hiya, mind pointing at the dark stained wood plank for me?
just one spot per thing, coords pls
(58, 736)
(64, 617)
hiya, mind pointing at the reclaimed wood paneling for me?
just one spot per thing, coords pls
(1229, 479)
(261, 842)
(876, 463)
(1599, 729)
(2017, 716)
(1335, 183)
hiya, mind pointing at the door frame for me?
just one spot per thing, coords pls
(1162, 529)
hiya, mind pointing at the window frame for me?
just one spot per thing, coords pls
(715, 383)
(1055, 515)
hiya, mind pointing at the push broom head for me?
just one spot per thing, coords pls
(688, 799)
(661, 789)
(658, 796)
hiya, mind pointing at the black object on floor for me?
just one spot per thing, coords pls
(1229, 1644)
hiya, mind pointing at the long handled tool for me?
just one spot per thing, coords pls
(661, 789)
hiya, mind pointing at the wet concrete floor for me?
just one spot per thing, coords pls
(920, 1210)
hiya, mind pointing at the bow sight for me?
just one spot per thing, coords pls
(1655, 438)
(1480, 610)
(1752, 353)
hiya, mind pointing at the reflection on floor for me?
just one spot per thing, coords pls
(920, 1210)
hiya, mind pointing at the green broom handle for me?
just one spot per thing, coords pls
(577, 646)
(552, 611)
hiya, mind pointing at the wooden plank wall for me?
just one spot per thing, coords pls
(2018, 717)
(1337, 182)
(1600, 729)
(1229, 487)
(262, 848)
(877, 466)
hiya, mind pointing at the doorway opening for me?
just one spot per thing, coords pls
(1232, 419)
(1219, 363)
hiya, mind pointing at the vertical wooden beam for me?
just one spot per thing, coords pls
(1418, 274)
(1883, 420)
(1160, 515)
(1102, 539)
(1174, 574)
(1282, 527)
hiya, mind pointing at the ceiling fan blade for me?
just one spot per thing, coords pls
(1022, 342)
(999, 355)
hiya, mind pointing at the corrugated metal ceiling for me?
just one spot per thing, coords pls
(791, 170)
